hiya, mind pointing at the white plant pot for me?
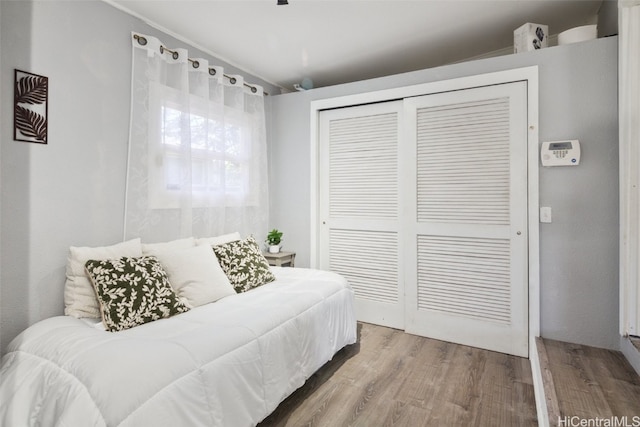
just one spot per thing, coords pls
(274, 249)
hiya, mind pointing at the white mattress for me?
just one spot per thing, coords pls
(229, 363)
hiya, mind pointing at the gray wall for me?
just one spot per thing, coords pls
(579, 250)
(71, 191)
(608, 18)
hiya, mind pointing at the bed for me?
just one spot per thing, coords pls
(228, 363)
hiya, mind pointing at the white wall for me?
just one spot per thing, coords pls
(71, 191)
(579, 250)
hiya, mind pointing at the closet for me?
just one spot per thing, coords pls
(422, 206)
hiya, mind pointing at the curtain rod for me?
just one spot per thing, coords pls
(212, 71)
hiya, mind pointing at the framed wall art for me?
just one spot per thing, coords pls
(30, 117)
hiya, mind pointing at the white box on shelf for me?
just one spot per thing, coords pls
(530, 37)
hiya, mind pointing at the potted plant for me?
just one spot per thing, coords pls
(273, 240)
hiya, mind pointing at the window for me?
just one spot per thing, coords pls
(201, 146)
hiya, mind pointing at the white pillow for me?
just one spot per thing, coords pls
(174, 245)
(79, 296)
(196, 275)
(218, 240)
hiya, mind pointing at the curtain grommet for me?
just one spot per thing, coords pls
(141, 40)
(174, 54)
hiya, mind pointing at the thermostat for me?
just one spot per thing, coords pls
(560, 153)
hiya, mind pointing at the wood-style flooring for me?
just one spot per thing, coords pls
(391, 378)
(590, 383)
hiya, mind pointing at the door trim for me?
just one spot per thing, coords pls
(528, 74)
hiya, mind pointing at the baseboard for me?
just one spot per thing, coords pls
(630, 352)
(538, 383)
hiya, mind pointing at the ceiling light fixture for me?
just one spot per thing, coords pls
(282, 2)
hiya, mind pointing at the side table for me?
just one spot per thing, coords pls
(281, 259)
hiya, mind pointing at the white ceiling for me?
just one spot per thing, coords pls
(339, 41)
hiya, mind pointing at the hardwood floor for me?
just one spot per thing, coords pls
(592, 383)
(390, 378)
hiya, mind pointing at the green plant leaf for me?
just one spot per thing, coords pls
(274, 237)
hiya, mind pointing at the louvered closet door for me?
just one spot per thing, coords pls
(467, 218)
(359, 206)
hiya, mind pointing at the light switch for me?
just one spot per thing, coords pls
(545, 214)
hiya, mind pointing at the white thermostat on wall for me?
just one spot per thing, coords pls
(560, 153)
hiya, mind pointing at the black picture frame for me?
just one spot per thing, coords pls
(31, 107)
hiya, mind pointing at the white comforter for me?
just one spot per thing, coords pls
(229, 363)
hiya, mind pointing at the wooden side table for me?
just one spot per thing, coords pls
(281, 259)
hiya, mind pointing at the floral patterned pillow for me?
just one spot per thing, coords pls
(243, 263)
(132, 291)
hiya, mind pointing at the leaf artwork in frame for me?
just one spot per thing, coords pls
(31, 93)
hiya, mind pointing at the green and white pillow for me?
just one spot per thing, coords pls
(132, 291)
(243, 263)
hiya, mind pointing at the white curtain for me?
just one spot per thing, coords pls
(197, 148)
(629, 113)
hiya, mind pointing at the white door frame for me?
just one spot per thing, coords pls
(528, 74)
(629, 107)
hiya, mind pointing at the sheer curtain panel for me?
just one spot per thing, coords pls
(197, 148)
